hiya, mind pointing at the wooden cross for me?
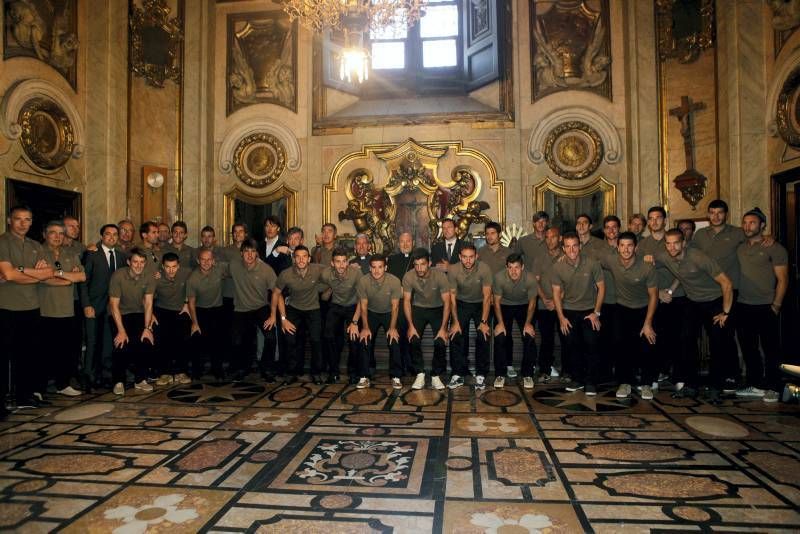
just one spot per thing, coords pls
(684, 114)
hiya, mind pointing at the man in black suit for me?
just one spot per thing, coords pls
(270, 249)
(361, 259)
(445, 252)
(99, 265)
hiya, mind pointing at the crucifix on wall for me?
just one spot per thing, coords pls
(690, 182)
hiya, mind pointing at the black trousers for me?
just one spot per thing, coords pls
(583, 343)
(376, 322)
(20, 329)
(335, 335)
(634, 352)
(421, 318)
(674, 345)
(608, 336)
(99, 344)
(135, 354)
(459, 345)
(547, 325)
(701, 314)
(328, 352)
(307, 322)
(171, 334)
(245, 326)
(758, 324)
(405, 346)
(511, 314)
(226, 319)
(60, 358)
(209, 343)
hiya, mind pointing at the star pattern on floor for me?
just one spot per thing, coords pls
(211, 392)
(578, 401)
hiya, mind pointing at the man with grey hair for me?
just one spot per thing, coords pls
(362, 253)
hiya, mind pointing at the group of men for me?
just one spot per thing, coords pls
(626, 308)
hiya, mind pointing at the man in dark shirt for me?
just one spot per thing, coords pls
(445, 252)
(361, 259)
(399, 264)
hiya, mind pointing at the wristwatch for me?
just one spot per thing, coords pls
(484, 321)
(21, 268)
(597, 313)
(283, 317)
(669, 292)
(60, 272)
(354, 322)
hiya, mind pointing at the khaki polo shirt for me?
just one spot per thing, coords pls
(513, 293)
(598, 250)
(215, 250)
(322, 255)
(631, 282)
(152, 262)
(59, 301)
(19, 253)
(303, 291)
(696, 271)
(721, 247)
(251, 285)
(578, 282)
(758, 280)
(468, 285)
(496, 260)
(379, 293)
(230, 254)
(130, 290)
(186, 254)
(531, 248)
(543, 270)
(343, 288)
(207, 287)
(653, 247)
(171, 294)
(426, 292)
(76, 247)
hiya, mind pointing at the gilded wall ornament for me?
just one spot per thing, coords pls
(787, 116)
(570, 47)
(259, 159)
(47, 135)
(685, 29)
(45, 30)
(155, 43)
(573, 150)
(262, 60)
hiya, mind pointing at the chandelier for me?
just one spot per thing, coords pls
(355, 18)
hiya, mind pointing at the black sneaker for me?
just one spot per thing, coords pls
(317, 379)
(332, 379)
(289, 380)
(590, 391)
(268, 378)
(573, 386)
(28, 402)
(352, 380)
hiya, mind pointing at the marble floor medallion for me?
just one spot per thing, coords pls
(484, 425)
(520, 466)
(215, 392)
(577, 401)
(509, 518)
(666, 485)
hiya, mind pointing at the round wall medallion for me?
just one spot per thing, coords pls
(573, 150)
(788, 112)
(259, 159)
(47, 136)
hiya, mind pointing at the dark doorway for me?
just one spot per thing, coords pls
(253, 215)
(785, 190)
(47, 203)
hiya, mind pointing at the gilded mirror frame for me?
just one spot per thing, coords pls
(237, 193)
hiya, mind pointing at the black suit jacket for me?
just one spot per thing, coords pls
(399, 265)
(279, 262)
(439, 252)
(94, 292)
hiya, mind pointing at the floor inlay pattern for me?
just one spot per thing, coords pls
(255, 457)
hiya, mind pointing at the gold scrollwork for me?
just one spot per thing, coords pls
(47, 135)
(788, 112)
(259, 159)
(155, 42)
(678, 36)
(573, 150)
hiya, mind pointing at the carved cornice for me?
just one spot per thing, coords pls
(612, 144)
(238, 132)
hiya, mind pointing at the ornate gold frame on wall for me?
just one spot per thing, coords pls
(608, 189)
(236, 193)
(787, 114)
(686, 49)
(154, 15)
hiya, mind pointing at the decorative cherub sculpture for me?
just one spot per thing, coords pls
(471, 215)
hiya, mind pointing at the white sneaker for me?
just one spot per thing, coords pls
(143, 386)
(624, 391)
(182, 378)
(436, 383)
(38, 396)
(499, 382)
(679, 386)
(69, 391)
(363, 383)
(396, 383)
(164, 380)
(770, 396)
(554, 372)
(419, 382)
(527, 382)
(511, 372)
(750, 391)
(119, 388)
(455, 382)
(646, 392)
(480, 382)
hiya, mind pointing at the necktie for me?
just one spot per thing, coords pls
(449, 250)
(112, 261)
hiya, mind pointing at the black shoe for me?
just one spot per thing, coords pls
(268, 378)
(4, 413)
(289, 380)
(574, 386)
(353, 380)
(332, 379)
(590, 391)
(28, 403)
(42, 402)
(317, 379)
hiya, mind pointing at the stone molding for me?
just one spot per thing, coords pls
(251, 126)
(788, 65)
(612, 144)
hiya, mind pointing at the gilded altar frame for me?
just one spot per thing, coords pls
(237, 193)
(600, 184)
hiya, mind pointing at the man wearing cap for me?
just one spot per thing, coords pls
(764, 278)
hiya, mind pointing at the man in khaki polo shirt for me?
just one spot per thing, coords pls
(230, 254)
(470, 300)
(296, 301)
(545, 317)
(326, 242)
(426, 301)
(379, 293)
(493, 254)
(60, 348)
(185, 253)
(21, 269)
(762, 288)
(204, 299)
(344, 310)
(174, 324)
(130, 299)
(253, 282)
(515, 293)
(127, 233)
(532, 245)
(578, 291)
(148, 232)
(637, 297)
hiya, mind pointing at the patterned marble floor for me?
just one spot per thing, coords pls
(252, 457)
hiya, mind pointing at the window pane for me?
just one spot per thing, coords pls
(388, 55)
(439, 21)
(396, 31)
(439, 53)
